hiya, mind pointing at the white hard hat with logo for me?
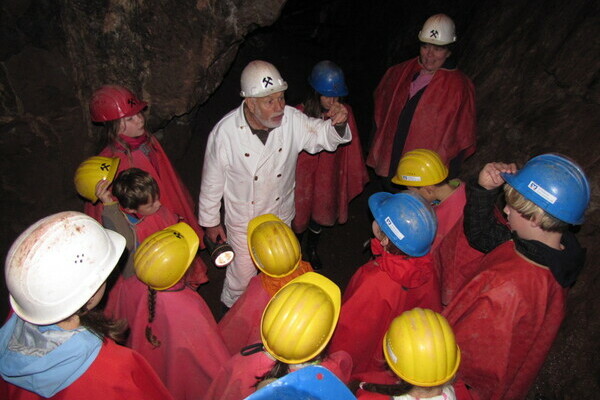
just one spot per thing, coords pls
(439, 30)
(260, 79)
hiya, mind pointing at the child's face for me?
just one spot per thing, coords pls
(149, 208)
(132, 126)
(327, 102)
(518, 223)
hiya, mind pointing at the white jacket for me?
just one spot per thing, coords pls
(256, 179)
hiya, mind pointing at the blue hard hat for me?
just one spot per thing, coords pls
(556, 184)
(406, 219)
(309, 383)
(328, 79)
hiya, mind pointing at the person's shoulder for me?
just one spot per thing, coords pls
(231, 119)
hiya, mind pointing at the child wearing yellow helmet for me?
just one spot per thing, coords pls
(170, 323)
(423, 171)
(276, 253)
(296, 327)
(420, 348)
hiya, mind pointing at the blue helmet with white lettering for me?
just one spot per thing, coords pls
(406, 219)
(554, 183)
(328, 79)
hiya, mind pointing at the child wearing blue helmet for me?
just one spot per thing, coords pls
(506, 318)
(400, 277)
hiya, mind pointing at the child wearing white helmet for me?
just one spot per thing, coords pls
(275, 251)
(400, 277)
(55, 345)
(506, 318)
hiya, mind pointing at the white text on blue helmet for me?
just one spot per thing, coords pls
(390, 224)
(542, 192)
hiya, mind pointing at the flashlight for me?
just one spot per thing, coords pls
(221, 254)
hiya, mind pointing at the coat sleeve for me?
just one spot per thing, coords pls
(314, 134)
(213, 181)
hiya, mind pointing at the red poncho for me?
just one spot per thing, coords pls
(377, 293)
(173, 193)
(444, 120)
(327, 181)
(117, 373)
(191, 351)
(505, 320)
(237, 377)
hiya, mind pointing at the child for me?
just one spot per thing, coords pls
(55, 345)
(170, 323)
(276, 253)
(423, 172)
(421, 350)
(295, 328)
(326, 181)
(128, 139)
(506, 318)
(400, 277)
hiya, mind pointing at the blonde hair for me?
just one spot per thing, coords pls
(530, 210)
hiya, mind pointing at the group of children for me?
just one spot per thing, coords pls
(452, 305)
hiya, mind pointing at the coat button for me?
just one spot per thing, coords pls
(279, 175)
(252, 201)
(277, 199)
(247, 154)
(280, 149)
(256, 178)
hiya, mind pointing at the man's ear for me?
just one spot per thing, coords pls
(251, 103)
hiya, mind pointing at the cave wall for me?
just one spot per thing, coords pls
(535, 65)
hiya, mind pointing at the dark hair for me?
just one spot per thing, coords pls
(152, 339)
(101, 326)
(281, 369)
(397, 389)
(312, 104)
(134, 187)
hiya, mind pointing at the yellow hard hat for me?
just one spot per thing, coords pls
(92, 171)
(163, 257)
(274, 247)
(300, 319)
(420, 348)
(420, 167)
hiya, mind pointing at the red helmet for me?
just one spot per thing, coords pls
(112, 102)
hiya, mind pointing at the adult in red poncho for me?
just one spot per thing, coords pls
(506, 318)
(424, 103)
(401, 277)
(170, 324)
(121, 113)
(326, 182)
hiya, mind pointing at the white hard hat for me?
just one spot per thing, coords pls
(439, 30)
(260, 79)
(57, 264)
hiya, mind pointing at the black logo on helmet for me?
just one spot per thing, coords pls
(267, 81)
(177, 235)
(434, 33)
(104, 167)
(132, 102)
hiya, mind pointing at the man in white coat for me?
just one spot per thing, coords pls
(250, 163)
